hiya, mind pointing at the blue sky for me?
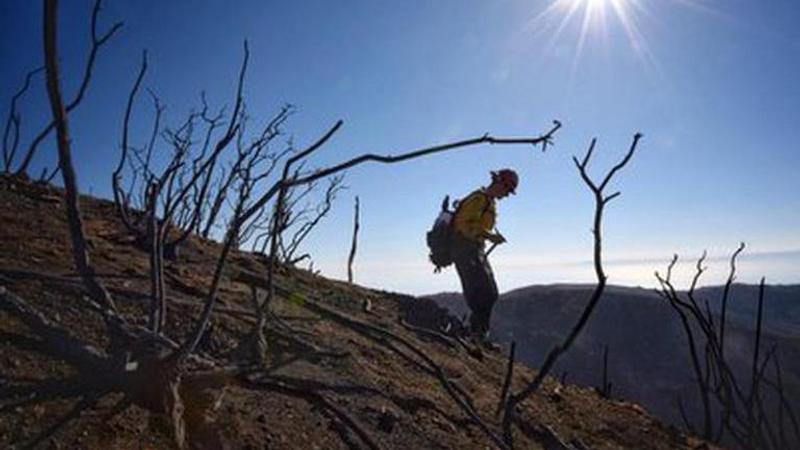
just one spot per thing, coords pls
(712, 84)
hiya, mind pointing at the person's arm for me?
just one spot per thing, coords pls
(475, 221)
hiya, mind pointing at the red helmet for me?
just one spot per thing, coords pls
(508, 177)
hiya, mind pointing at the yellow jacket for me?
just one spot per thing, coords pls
(475, 216)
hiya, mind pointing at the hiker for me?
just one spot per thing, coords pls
(472, 225)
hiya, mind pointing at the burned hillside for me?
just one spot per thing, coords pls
(345, 367)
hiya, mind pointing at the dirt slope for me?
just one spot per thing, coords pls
(378, 382)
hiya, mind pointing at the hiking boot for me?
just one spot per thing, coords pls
(481, 340)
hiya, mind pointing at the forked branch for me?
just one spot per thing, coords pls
(600, 202)
(97, 43)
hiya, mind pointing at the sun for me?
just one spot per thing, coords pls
(594, 3)
(596, 19)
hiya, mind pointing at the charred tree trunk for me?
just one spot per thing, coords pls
(80, 251)
(353, 245)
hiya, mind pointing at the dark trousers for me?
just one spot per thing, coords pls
(477, 282)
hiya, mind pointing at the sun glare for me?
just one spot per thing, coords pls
(597, 18)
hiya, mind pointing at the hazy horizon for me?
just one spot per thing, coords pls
(778, 268)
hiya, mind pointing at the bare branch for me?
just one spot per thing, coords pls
(742, 415)
(559, 349)
(754, 374)
(386, 159)
(120, 199)
(158, 306)
(605, 388)
(353, 245)
(725, 294)
(699, 271)
(97, 43)
(507, 381)
(223, 142)
(622, 163)
(302, 232)
(389, 159)
(80, 252)
(13, 123)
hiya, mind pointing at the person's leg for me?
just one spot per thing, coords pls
(478, 284)
(465, 256)
(486, 293)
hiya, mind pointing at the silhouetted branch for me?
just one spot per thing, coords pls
(120, 199)
(353, 245)
(251, 154)
(97, 43)
(754, 374)
(725, 294)
(184, 201)
(600, 202)
(605, 388)
(310, 221)
(14, 123)
(158, 305)
(386, 159)
(389, 159)
(742, 414)
(679, 306)
(507, 381)
(783, 405)
(80, 251)
(189, 346)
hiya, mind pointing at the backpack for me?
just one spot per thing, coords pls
(440, 237)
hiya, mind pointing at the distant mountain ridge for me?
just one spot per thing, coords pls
(781, 305)
(648, 357)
